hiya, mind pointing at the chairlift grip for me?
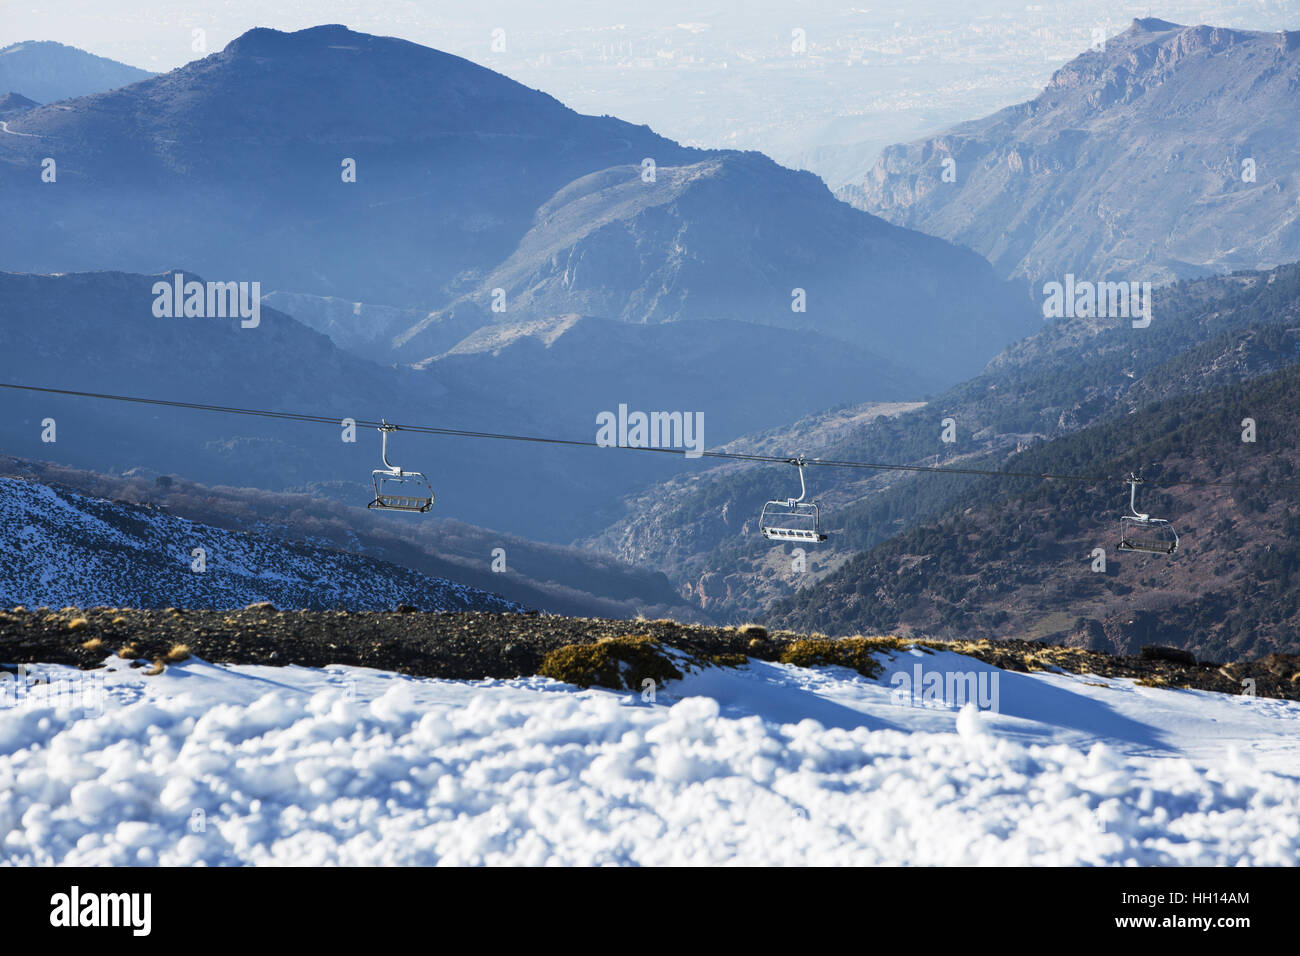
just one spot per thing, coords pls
(384, 429)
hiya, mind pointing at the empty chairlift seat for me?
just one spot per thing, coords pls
(792, 519)
(397, 489)
(409, 491)
(1141, 532)
(1151, 535)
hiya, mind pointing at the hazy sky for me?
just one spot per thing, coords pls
(723, 73)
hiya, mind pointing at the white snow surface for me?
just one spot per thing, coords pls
(763, 764)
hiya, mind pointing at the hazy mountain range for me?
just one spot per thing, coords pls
(465, 182)
(503, 263)
(676, 291)
(97, 332)
(44, 71)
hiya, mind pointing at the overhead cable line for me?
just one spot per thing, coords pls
(725, 455)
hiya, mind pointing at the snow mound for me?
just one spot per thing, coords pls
(258, 765)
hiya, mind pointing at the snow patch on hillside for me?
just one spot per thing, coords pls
(62, 548)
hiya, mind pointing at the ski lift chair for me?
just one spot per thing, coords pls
(1141, 532)
(398, 490)
(792, 519)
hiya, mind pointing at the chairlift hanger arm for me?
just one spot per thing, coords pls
(799, 463)
(1133, 482)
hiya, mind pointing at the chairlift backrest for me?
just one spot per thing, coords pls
(781, 521)
(1150, 536)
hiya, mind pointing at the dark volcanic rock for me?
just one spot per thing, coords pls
(1158, 652)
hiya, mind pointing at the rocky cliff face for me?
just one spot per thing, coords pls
(1166, 154)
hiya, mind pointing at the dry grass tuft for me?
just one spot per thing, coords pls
(854, 652)
(615, 662)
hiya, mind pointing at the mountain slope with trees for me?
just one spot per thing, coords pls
(1074, 373)
(1016, 557)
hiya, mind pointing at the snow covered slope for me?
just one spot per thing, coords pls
(61, 548)
(761, 764)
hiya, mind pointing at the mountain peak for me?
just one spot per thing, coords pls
(331, 74)
(265, 41)
(1153, 25)
(1201, 36)
(15, 102)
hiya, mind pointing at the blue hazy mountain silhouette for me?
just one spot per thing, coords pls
(672, 292)
(232, 164)
(45, 71)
